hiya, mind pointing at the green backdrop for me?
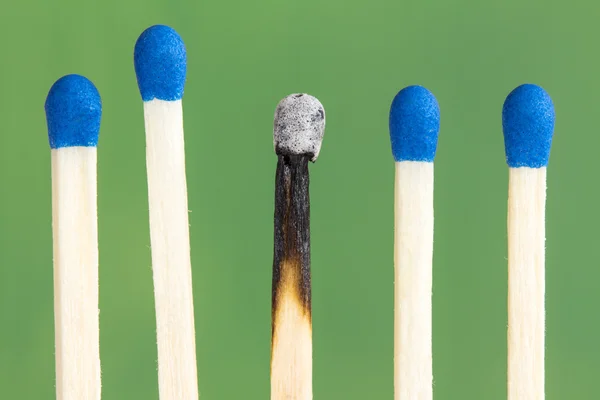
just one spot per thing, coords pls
(243, 57)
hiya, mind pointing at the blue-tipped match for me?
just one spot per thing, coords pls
(160, 64)
(73, 112)
(528, 124)
(414, 125)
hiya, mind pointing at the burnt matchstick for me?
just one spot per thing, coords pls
(297, 135)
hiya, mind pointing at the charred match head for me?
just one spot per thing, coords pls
(299, 126)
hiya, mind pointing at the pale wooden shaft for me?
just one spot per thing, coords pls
(291, 356)
(169, 238)
(413, 255)
(526, 277)
(75, 247)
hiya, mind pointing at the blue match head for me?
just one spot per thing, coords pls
(528, 124)
(414, 125)
(73, 111)
(160, 64)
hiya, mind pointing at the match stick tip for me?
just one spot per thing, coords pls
(160, 62)
(299, 126)
(414, 124)
(528, 125)
(73, 111)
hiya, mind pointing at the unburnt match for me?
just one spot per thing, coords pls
(73, 112)
(528, 124)
(414, 127)
(160, 66)
(297, 135)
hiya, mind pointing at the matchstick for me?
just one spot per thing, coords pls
(160, 66)
(73, 112)
(414, 127)
(528, 124)
(297, 135)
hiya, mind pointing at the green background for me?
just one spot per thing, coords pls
(243, 57)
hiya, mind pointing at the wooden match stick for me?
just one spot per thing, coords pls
(297, 135)
(160, 65)
(528, 124)
(73, 112)
(414, 127)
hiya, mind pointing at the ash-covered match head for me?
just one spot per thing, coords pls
(528, 125)
(73, 112)
(414, 125)
(299, 126)
(160, 64)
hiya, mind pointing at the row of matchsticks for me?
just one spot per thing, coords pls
(73, 111)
